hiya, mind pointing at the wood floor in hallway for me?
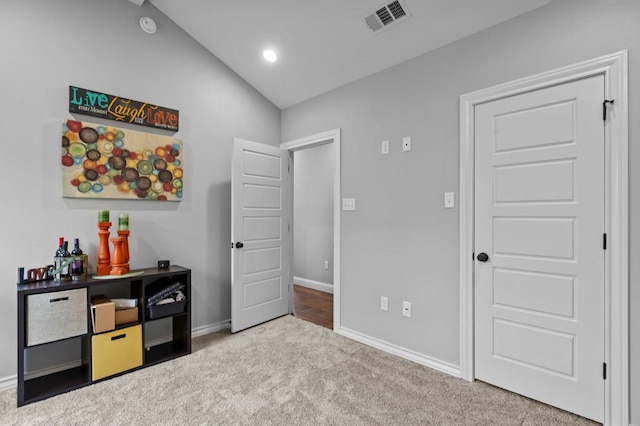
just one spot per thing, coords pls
(313, 306)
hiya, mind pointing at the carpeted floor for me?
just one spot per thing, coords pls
(285, 372)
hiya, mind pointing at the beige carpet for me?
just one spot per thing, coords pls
(285, 372)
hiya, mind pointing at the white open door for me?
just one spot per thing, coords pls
(260, 252)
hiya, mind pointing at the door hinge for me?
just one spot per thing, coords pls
(473, 256)
(604, 371)
(604, 108)
(604, 241)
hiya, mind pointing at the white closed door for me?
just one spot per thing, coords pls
(260, 234)
(540, 221)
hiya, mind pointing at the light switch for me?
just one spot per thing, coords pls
(406, 143)
(449, 202)
(385, 147)
(348, 204)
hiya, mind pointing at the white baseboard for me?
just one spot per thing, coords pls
(211, 328)
(11, 382)
(436, 364)
(7, 383)
(316, 285)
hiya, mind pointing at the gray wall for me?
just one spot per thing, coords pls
(97, 44)
(401, 242)
(313, 212)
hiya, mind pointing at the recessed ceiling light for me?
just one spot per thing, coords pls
(270, 55)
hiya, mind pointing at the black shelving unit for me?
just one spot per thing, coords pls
(78, 374)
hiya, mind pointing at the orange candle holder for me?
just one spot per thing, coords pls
(125, 244)
(104, 256)
(118, 265)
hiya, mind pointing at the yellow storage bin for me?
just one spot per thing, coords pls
(116, 351)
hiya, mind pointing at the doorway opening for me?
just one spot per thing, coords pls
(313, 234)
(315, 223)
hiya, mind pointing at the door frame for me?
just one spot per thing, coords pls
(330, 136)
(614, 67)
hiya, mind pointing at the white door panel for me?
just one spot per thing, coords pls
(521, 129)
(535, 237)
(259, 220)
(262, 228)
(262, 197)
(520, 183)
(528, 291)
(520, 343)
(539, 200)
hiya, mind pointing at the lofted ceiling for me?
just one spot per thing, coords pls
(324, 44)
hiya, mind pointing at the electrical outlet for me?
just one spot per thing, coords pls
(326, 264)
(406, 143)
(406, 309)
(384, 303)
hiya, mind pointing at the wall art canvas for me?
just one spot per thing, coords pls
(101, 161)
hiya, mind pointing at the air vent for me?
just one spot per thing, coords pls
(387, 15)
(396, 10)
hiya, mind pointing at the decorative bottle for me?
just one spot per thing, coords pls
(77, 264)
(60, 251)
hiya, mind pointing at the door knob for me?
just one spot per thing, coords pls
(239, 245)
(482, 257)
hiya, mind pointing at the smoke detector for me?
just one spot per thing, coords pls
(387, 16)
(148, 25)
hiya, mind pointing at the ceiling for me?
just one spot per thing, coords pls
(324, 44)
